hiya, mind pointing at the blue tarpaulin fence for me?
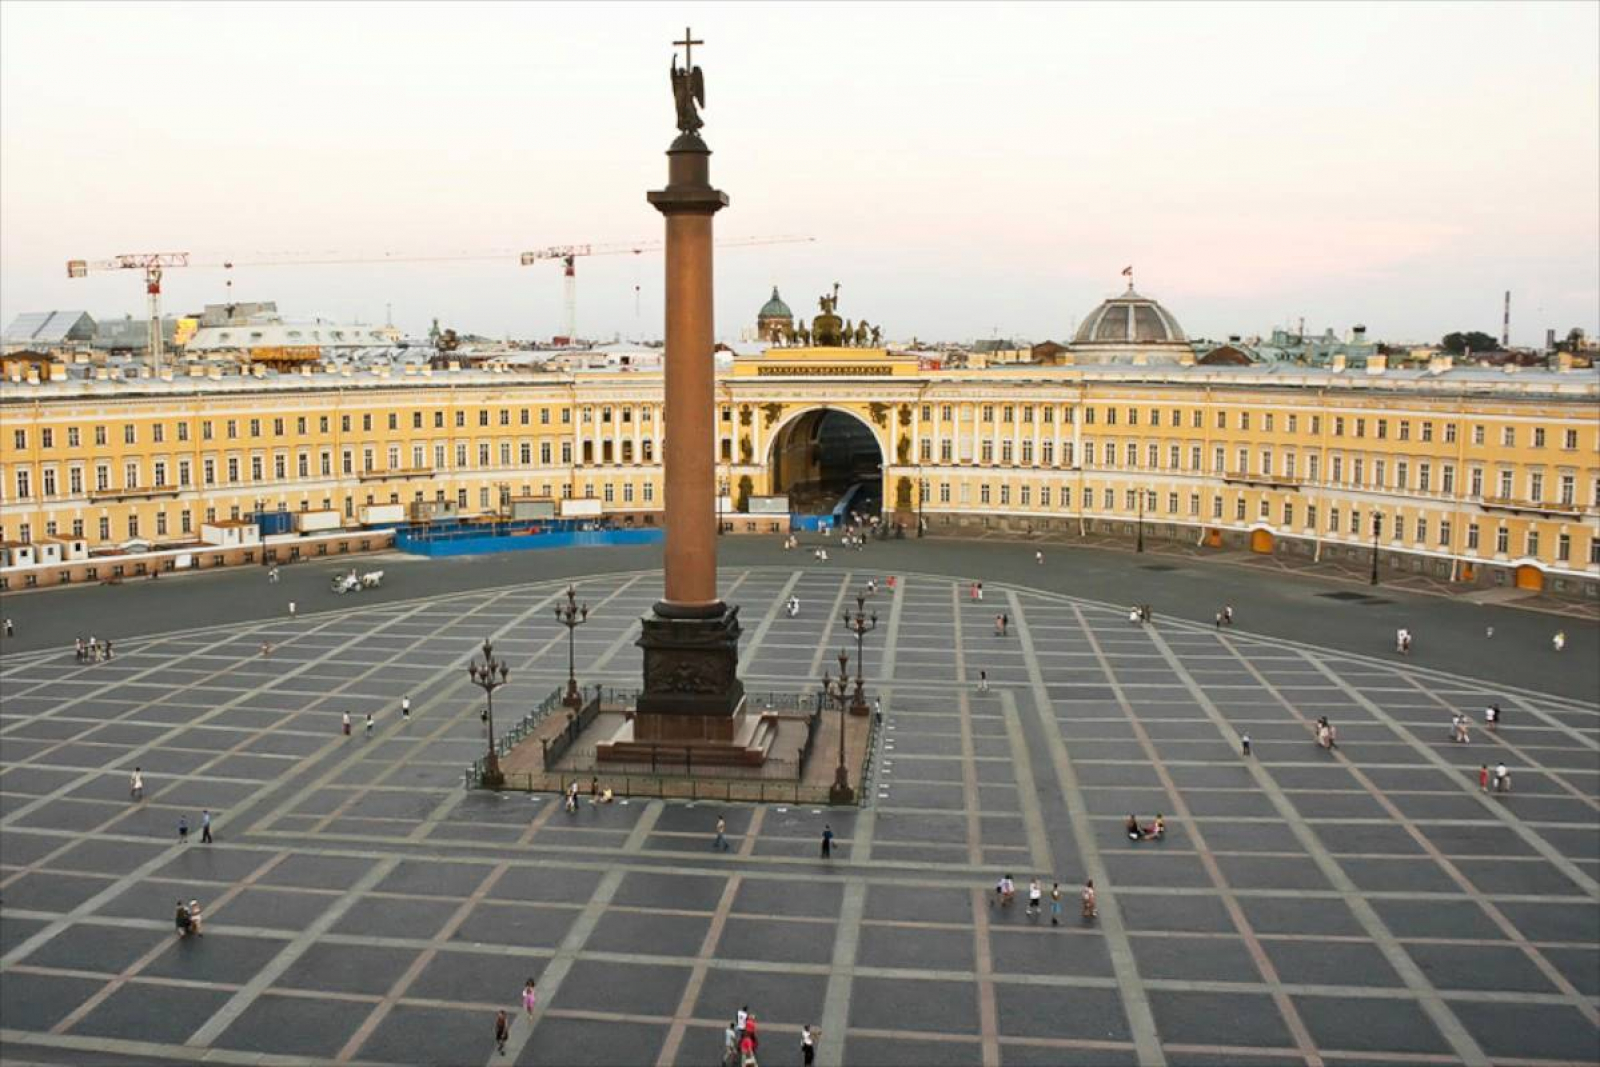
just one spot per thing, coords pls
(467, 539)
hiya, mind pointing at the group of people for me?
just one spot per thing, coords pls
(1002, 625)
(791, 607)
(1140, 613)
(1460, 729)
(1225, 616)
(1005, 893)
(742, 1038)
(1499, 778)
(597, 795)
(1154, 831)
(1327, 736)
(93, 650)
(187, 919)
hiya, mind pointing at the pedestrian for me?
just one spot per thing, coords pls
(1035, 898)
(999, 626)
(1494, 716)
(1559, 641)
(1502, 778)
(530, 998)
(108, 647)
(730, 1046)
(1005, 624)
(266, 649)
(291, 609)
(1244, 745)
(827, 841)
(346, 724)
(1090, 908)
(405, 708)
(205, 826)
(183, 829)
(1488, 632)
(194, 918)
(502, 1030)
(181, 920)
(1227, 614)
(594, 789)
(1005, 890)
(808, 1046)
(1483, 777)
(136, 784)
(980, 592)
(369, 724)
(983, 681)
(1133, 615)
(11, 630)
(877, 709)
(1055, 903)
(1219, 620)
(1038, 557)
(78, 647)
(721, 842)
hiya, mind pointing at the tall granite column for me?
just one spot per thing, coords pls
(690, 639)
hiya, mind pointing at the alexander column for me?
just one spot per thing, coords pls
(692, 694)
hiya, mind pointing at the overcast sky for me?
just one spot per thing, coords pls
(965, 169)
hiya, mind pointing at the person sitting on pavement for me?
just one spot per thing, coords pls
(1135, 831)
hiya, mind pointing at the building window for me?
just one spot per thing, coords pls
(1502, 540)
(1563, 547)
(1533, 543)
(1472, 537)
(1538, 437)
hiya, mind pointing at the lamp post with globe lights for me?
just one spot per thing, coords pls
(572, 615)
(838, 691)
(490, 674)
(860, 623)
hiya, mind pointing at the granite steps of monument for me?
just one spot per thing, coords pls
(750, 746)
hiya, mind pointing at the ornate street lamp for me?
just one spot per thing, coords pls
(572, 616)
(861, 624)
(490, 674)
(838, 691)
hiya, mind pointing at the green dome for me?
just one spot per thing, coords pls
(775, 308)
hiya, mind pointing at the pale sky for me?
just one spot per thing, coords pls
(965, 169)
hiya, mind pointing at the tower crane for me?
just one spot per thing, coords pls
(568, 255)
(152, 263)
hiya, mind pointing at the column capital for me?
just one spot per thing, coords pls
(688, 190)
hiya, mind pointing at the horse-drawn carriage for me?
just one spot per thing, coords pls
(351, 582)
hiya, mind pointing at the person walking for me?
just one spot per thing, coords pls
(1244, 745)
(108, 648)
(1038, 557)
(11, 630)
(983, 681)
(808, 1046)
(183, 829)
(194, 918)
(1502, 778)
(1005, 624)
(1219, 620)
(1035, 899)
(405, 708)
(1483, 777)
(1227, 614)
(721, 842)
(291, 609)
(369, 724)
(1055, 903)
(205, 826)
(827, 841)
(730, 1046)
(530, 998)
(502, 1030)
(1559, 641)
(136, 784)
(181, 919)
(1091, 909)
(346, 720)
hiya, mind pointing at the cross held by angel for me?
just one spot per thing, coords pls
(688, 86)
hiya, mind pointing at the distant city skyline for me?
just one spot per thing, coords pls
(967, 172)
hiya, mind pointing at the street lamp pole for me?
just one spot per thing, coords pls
(1140, 547)
(1377, 529)
(861, 624)
(722, 491)
(838, 691)
(490, 674)
(572, 616)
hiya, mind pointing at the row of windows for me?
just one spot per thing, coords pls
(278, 427)
(1356, 426)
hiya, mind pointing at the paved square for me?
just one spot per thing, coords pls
(1368, 904)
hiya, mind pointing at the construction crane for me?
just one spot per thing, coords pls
(152, 263)
(568, 255)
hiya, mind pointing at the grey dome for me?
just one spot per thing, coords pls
(774, 308)
(1130, 319)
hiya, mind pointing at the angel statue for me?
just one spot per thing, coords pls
(688, 89)
(861, 334)
(877, 337)
(848, 335)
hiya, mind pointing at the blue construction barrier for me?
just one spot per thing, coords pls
(465, 540)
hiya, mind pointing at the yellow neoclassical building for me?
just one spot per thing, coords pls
(1469, 474)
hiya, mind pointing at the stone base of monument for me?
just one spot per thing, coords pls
(741, 739)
